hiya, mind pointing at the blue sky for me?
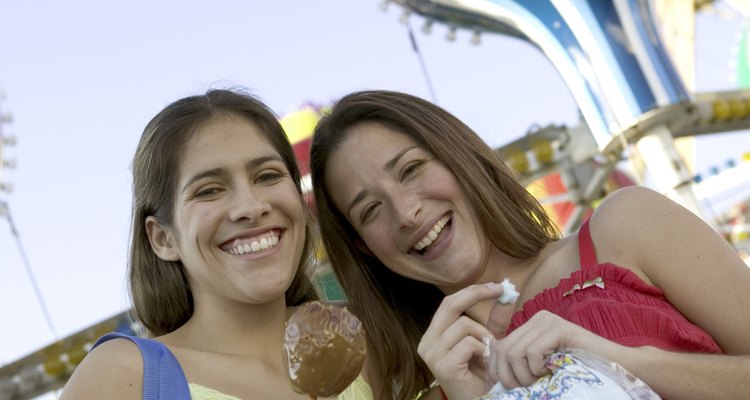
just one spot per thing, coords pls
(82, 78)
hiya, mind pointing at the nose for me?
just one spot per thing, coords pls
(248, 204)
(408, 209)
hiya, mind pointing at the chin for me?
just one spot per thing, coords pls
(269, 292)
(466, 278)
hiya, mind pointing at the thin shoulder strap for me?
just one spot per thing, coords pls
(163, 378)
(586, 250)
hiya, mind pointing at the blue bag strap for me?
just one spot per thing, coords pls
(163, 378)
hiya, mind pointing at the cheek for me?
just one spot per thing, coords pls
(380, 241)
(201, 218)
(299, 213)
(199, 224)
(286, 198)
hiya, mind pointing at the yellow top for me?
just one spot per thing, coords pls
(358, 390)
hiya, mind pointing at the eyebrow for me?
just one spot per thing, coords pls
(218, 172)
(386, 167)
(392, 162)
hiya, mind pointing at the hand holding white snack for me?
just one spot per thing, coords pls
(574, 374)
(510, 294)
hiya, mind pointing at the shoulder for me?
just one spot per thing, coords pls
(675, 250)
(113, 370)
(121, 348)
(620, 220)
(637, 215)
(660, 240)
(632, 204)
(637, 228)
(646, 220)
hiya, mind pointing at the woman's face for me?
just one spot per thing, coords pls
(407, 207)
(239, 223)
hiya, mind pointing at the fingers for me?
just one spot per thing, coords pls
(453, 343)
(437, 344)
(521, 370)
(520, 358)
(500, 315)
(461, 328)
(457, 372)
(456, 305)
(466, 298)
(526, 356)
(450, 358)
(537, 362)
(460, 354)
(514, 365)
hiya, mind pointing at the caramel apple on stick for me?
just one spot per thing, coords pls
(324, 349)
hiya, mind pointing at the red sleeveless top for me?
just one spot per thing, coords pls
(615, 303)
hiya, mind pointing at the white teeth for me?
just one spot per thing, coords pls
(432, 234)
(243, 246)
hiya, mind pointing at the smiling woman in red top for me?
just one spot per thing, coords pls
(421, 220)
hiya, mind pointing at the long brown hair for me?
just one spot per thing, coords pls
(395, 310)
(159, 290)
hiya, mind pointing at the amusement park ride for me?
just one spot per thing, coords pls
(632, 100)
(5, 118)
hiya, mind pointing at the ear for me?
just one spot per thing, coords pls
(161, 239)
(361, 246)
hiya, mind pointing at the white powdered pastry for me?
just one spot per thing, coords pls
(510, 294)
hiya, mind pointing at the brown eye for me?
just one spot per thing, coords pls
(269, 176)
(368, 212)
(207, 192)
(411, 168)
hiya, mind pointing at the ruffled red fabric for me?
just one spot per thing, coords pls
(627, 310)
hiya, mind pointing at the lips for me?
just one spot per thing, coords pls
(424, 244)
(252, 244)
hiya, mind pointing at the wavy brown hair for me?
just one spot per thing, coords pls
(159, 290)
(396, 310)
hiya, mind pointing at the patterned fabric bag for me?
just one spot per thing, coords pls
(578, 375)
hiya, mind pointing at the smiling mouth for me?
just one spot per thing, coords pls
(424, 244)
(254, 244)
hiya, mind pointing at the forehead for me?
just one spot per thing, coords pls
(359, 160)
(367, 145)
(361, 138)
(222, 140)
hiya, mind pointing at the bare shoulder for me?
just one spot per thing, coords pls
(632, 206)
(647, 223)
(675, 250)
(633, 222)
(622, 221)
(113, 370)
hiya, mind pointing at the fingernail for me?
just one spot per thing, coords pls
(493, 285)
